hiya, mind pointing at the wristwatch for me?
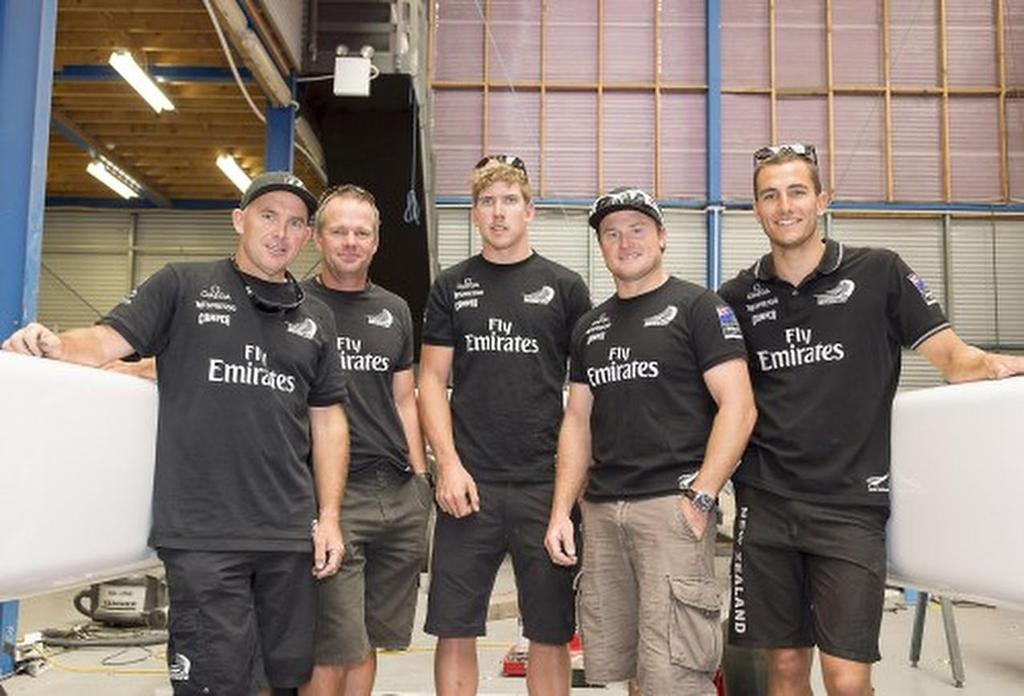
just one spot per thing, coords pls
(701, 500)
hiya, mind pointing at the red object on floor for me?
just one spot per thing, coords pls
(514, 664)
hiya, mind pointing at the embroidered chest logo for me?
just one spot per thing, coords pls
(662, 318)
(383, 319)
(214, 293)
(305, 329)
(467, 293)
(837, 295)
(757, 290)
(598, 329)
(215, 306)
(541, 297)
(922, 288)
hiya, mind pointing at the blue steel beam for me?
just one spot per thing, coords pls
(713, 140)
(139, 204)
(159, 73)
(26, 73)
(279, 154)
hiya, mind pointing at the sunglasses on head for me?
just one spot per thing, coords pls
(768, 152)
(510, 160)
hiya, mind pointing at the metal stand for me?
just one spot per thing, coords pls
(956, 659)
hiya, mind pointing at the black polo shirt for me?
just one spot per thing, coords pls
(644, 359)
(236, 385)
(509, 326)
(825, 363)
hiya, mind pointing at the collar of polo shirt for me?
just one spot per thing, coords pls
(830, 261)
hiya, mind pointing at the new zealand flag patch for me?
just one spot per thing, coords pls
(727, 320)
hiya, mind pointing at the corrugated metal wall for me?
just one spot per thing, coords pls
(598, 94)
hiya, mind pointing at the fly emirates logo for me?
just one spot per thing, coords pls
(621, 367)
(500, 339)
(253, 372)
(350, 350)
(799, 351)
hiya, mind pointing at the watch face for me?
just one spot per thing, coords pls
(703, 502)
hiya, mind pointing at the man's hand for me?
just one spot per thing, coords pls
(456, 492)
(35, 339)
(328, 548)
(560, 541)
(697, 520)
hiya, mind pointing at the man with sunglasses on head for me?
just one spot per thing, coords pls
(498, 323)
(370, 603)
(824, 325)
(250, 391)
(659, 411)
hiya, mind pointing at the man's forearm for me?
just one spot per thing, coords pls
(730, 431)
(413, 437)
(330, 459)
(573, 463)
(436, 419)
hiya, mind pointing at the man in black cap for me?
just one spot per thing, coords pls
(250, 391)
(659, 411)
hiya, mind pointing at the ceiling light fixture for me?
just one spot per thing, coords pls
(119, 182)
(228, 165)
(123, 62)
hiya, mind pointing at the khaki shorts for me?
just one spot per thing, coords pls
(371, 601)
(650, 607)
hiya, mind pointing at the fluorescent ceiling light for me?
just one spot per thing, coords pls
(123, 63)
(229, 166)
(122, 188)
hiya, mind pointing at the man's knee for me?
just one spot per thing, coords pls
(790, 665)
(845, 677)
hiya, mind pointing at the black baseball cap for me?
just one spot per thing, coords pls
(626, 198)
(278, 181)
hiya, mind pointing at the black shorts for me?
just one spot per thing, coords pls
(806, 574)
(236, 614)
(513, 519)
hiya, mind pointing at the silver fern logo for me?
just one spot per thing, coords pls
(383, 319)
(662, 318)
(305, 328)
(878, 484)
(837, 295)
(542, 296)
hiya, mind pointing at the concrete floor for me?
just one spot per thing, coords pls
(992, 641)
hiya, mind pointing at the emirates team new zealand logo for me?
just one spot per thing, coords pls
(383, 319)
(542, 296)
(662, 318)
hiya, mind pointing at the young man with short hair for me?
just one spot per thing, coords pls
(498, 323)
(659, 411)
(824, 325)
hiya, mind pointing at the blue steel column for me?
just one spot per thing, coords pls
(26, 78)
(713, 141)
(279, 154)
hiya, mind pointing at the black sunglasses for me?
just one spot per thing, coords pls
(510, 160)
(271, 306)
(799, 149)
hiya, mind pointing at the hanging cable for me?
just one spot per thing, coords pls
(412, 206)
(241, 84)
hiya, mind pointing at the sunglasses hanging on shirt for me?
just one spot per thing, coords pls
(265, 304)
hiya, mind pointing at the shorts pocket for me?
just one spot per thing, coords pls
(695, 624)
